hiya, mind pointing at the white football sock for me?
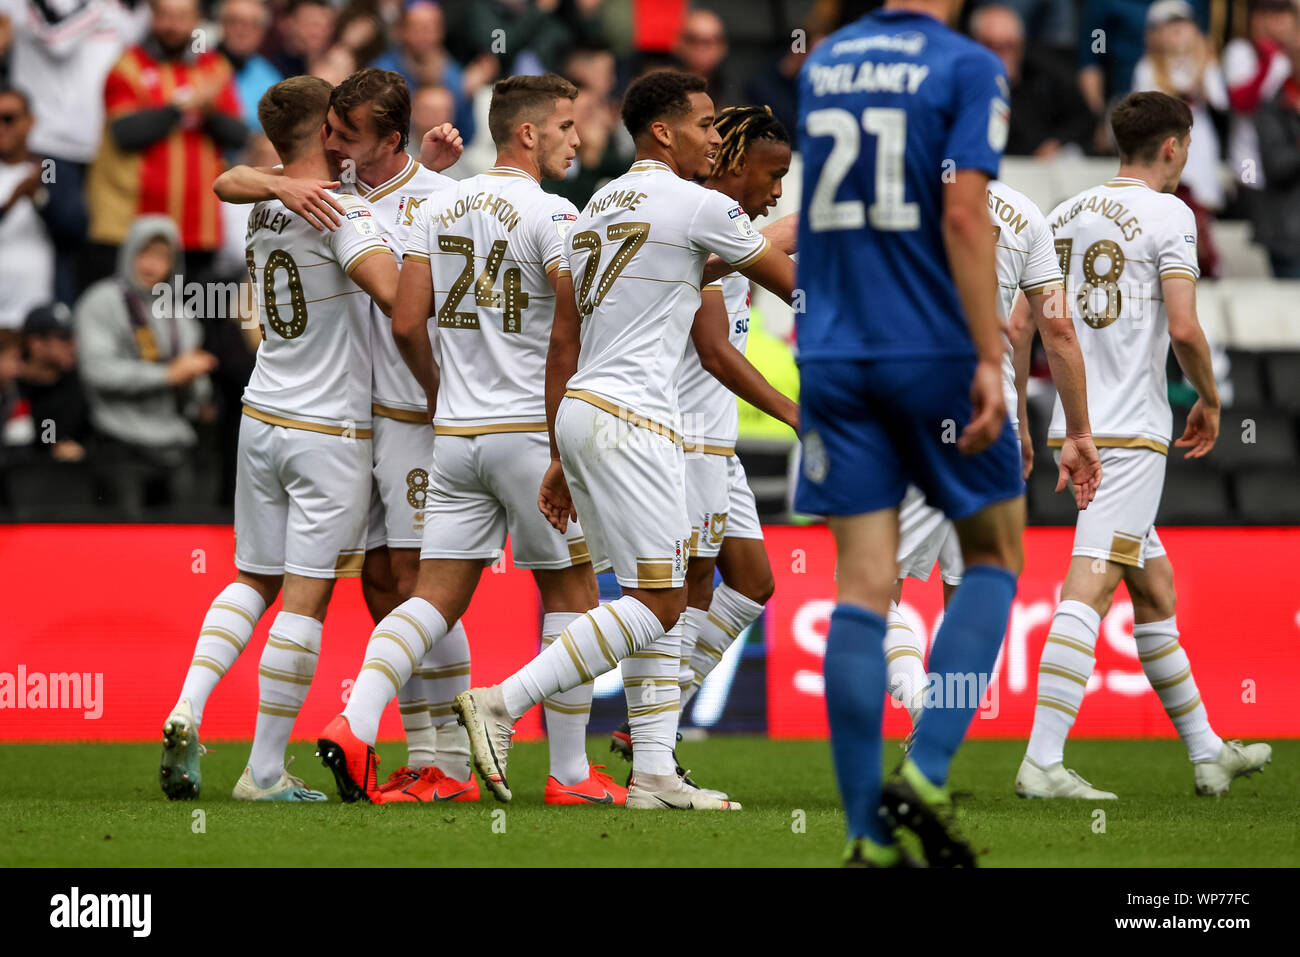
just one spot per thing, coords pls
(729, 614)
(412, 705)
(692, 622)
(446, 671)
(1170, 673)
(226, 629)
(398, 642)
(566, 714)
(904, 664)
(1063, 673)
(283, 680)
(595, 642)
(653, 702)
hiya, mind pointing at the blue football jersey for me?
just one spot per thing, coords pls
(890, 107)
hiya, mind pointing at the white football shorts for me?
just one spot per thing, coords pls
(629, 489)
(483, 487)
(1119, 524)
(402, 453)
(300, 501)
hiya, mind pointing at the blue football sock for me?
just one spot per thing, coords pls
(966, 645)
(855, 705)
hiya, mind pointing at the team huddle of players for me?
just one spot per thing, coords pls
(578, 369)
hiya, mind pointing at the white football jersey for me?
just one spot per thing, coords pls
(1116, 242)
(491, 241)
(637, 252)
(313, 366)
(1026, 260)
(709, 418)
(395, 205)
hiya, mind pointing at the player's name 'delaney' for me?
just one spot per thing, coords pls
(870, 77)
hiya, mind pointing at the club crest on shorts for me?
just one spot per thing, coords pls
(815, 462)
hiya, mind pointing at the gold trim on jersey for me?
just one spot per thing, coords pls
(716, 286)
(1118, 442)
(553, 264)
(491, 428)
(645, 165)
(415, 257)
(689, 446)
(1042, 287)
(1178, 274)
(1120, 181)
(509, 171)
(627, 415)
(397, 182)
(420, 417)
(753, 257)
(287, 423)
(362, 256)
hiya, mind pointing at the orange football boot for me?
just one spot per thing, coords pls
(428, 785)
(354, 763)
(399, 779)
(598, 788)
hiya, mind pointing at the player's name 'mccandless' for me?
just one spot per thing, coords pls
(1109, 208)
(871, 77)
(490, 204)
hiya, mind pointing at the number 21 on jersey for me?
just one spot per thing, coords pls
(890, 209)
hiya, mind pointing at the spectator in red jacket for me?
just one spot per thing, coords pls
(1255, 67)
(172, 109)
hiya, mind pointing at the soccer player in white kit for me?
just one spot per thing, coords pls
(368, 121)
(637, 252)
(1026, 262)
(487, 258)
(304, 453)
(752, 159)
(1128, 249)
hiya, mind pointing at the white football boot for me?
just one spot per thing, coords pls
(491, 731)
(178, 770)
(660, 791)
(1235, 760)
(288, 788)
(1057, 781)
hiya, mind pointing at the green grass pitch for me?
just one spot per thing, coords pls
(100, 805)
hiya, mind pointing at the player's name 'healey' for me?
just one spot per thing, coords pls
(871, 77)
(1107, 208)
(488, 203)
(76, 910)
(57, 691)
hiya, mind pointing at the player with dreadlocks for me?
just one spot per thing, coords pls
(753, 157)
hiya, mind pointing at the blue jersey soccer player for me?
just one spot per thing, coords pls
(902, 124)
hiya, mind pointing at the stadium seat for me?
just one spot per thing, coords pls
(1194, 497)
(1240, 257)
(1211, 313)
(1262, 313)
(44, 491)
(1254, 438)
(1283, 375)
(1246, 371)
(1033, 178)
(1074, 174)
(1268, 497)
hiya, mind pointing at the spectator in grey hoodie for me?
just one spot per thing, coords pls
(146, 377)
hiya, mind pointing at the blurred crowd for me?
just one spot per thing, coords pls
(116, 116)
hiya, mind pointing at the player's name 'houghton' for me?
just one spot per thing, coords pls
(489, 203)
